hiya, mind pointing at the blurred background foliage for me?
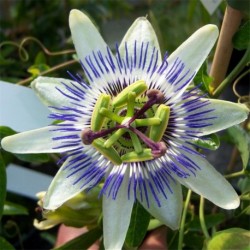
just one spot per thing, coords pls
(47, 21)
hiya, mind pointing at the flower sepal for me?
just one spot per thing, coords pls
(79, 211)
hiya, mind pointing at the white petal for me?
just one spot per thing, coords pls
(72, 179)
(61, 189)
(195, 49)
(192, 53)
(116, 217)
(140, 32)
(91, 49)
(36, 141)
(210, 184)
(170, 211)
(85, 36)
(226, 115)
(46, 89)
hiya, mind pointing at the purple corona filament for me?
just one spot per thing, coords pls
(188, 113)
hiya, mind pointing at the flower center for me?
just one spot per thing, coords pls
(129, 127)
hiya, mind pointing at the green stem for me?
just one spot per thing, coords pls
(172, 240)
(183, 220)
(236, 174)
(202, 218)
(237, 81)
(245, 59)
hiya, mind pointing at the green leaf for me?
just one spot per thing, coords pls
(211, 142)
(2, 185)
(247, 210)
(233, 238)
(37, 69)
(193, 240)
(6, 131)
(241, 39)
(242, 5)
(39, 158)
(203, 77)
(4, 244)
(241, 139)
(7, 157)
(211, 221)
(138, 226)
(205, 16)
(49, 237)
(244, 184)
(191, 9)
(11, 208)
(40, 58)
(83, 241)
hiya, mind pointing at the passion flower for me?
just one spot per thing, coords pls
(131, 125)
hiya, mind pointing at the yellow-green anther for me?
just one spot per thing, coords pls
(114, 137)
(131, 104)
(97, 118)
(145, 155)
(137, 87)
(109, 153)
(136, 143)
(111, 115)
(147, 122)
(156, 131)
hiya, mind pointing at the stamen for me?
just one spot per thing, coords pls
(114, 137)
(97, 119)
(156, 131)
(136, 143)
(147, 122)
(133, 156)
(131, 104)
(109, 153)
(112, 119)
(138, 88)
(111, 115)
